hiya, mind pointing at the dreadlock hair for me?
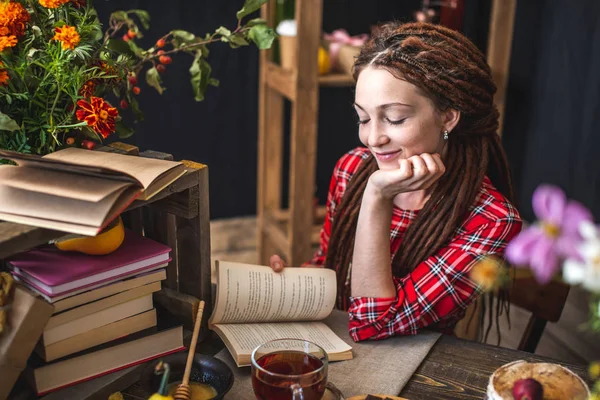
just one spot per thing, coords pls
(452, 72)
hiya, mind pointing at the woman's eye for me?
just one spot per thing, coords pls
(395, 122)
(362, 121)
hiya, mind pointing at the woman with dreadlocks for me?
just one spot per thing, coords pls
(432, 170)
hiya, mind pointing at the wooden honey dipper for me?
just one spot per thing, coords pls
(183, 391)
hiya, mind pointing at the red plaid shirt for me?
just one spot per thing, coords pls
(437, 292)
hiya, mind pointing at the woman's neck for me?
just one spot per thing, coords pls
(412, 200)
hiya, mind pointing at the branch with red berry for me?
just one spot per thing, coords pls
(123, 32)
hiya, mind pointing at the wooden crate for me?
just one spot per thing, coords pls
(178, 217)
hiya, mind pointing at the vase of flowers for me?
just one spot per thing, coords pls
(64, 78)
(563, 243)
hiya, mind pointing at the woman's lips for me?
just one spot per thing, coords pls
(387, 156)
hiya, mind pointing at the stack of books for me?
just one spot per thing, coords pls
(104, 316)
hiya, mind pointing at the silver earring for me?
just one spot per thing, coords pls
(446, 134)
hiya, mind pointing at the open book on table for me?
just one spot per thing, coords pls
(254, 305)
(76, 190)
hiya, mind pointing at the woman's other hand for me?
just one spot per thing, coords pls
(277, 264)
(414, 173)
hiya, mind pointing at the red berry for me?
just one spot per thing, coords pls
(125, 38)
(160, 43)
(70, 141)
(161, 68)
(133, 80)
(527, 389)
(136, 90)
(88, 144)
(131, 34)
(124, 104)
(165, 59)
(160, 52)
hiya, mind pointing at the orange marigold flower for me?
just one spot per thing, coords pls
(68, 36)
(78, 3)
(13, 18)
(88, 88)
(53, 3)
(98, 114)
(7, 41)
(3, 76)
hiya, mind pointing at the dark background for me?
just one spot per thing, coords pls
(551, 115)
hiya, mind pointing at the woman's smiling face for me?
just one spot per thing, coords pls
(395, 120)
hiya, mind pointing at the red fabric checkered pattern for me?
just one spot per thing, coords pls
(437, 292)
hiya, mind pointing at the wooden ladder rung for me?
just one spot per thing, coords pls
(281, 80)
(274, 230)
(284, 215)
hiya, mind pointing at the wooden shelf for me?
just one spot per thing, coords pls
(291, 233)
(284, 81)
(281, 80)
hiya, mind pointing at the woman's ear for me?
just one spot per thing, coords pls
(450, 119)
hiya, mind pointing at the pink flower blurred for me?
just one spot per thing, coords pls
(553, 237)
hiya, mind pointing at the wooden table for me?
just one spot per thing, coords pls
(460, 369)
(454, 369)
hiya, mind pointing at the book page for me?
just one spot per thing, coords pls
(253, 293)
(18, 205)
(59, 183)
(246, 337)
(144, 169)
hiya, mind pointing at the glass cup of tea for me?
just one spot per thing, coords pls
(289, 369)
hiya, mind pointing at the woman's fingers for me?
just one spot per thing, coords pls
(276, 263)
(419, 167)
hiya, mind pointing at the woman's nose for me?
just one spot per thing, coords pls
(377, 137)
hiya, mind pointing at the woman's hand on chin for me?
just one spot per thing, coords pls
(414, 173)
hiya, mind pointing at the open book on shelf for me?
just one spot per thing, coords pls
(254, 305)
(76, 190)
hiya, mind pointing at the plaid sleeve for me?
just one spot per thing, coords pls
(436, 289)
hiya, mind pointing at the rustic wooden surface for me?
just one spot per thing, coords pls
(454, 369)
(460, 369)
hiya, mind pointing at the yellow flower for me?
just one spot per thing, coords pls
(53, 3)
(7, 41)
(594, 370)
(68, 36)
(488, 273)
(13, 17)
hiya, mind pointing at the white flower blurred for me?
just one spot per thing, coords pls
(586, 272)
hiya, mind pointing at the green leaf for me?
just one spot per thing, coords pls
(7, 123)
(119, 15)
(184, 36)
(237, 41)
(120, 46)
(122, 130)
(256, 21)
(200, 76)
(262, 35)
(144, 17)
(153, 79)
(249, 7)
(135, 107)
(135, 48)
(223, 31)
(213, 82)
